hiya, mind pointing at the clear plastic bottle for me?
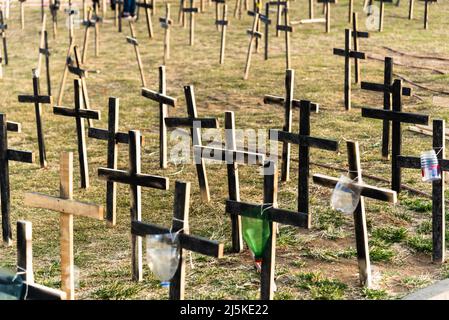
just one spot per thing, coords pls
(430, 168)
(346, 196)
(163, 256)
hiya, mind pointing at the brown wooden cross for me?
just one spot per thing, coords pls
(133, 40)
(256, 9)
(91, 23)
(38, 100)
(7, 155)
(360, 227)
(396, 116)
(305, 142)
(224, 25)
(164, 102)
(348, 53)
(355, 40)
(166, 22)
(79, 115)
(253, 33)
(147, 8)
(217, 11)
(327, 8)
(34, 291)
(191, 10)
(232, 157)
(113, 137)
(438, 203)
(67, 207)
(136, 180)
(195, 124)
(187, 242)
(387, 89)
(268, 211)
(289, 103)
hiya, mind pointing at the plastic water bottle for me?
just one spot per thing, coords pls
(346, 196)
(163, 256)
(256, 233)
(430, 168)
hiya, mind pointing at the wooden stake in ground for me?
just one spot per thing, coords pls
(268, 211)
(327, 9)
(360, 227)
(135, 179)
(381, 13)
(118, 13)
(438, 203)
(3, 27)
(22, 13)
(195, 124)
(355, 39)
(232, 157)
(396, 116)
(305, 142)
(91, 23)
(427, 3)
(387, 89)
(67, 207)
(71, 12)
(133, 40)
(79, 114)
(350, 11)
(165, 24)
(38, 100)
(147, 7)
(113, 137)
(34, 291)
(253, 34)
(348, 53)
(187, 242)
(191, 10)
(164, 101)
(288, 103)
(224, 25)
(54, 8)
(265, 19)
(410, 9)
(287, 29)
(181, 13)
(7, 155)
(44, 51)
(238, 9)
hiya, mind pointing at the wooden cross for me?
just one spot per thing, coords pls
(187, 242)
(426, 12)
(224, 25)
(133, 40)
(44, 51)
(348, 53)
(182, 14)
(305, 142)
(327, 8)
(147, 6)
(253, 33)
(288, 103)
(232, 157)
(192, 10)
(38, 100)
(24, 242)
(7, 155)
(91, 23)
(265, 19)
(71, 12)
(438, 203)
(287, 28)
(113, 137)
(387, 89)
(381, 13)
(118, 14)
(164, 102)
(165, 24)
(22, 13)
(360, 227)
(67, 208)
(79, 114)
(396, 116)
(257, 5)
(3, 28)
(136, 180)
(269, 211)
(217, 11)
(355, 40)
(195, 124)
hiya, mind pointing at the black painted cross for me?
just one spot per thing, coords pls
(217, 11)
(195, 124)
(187, 242)
(438, 203)
(386, 88)
(147, 6)
(348, 53)
(136, 180)
(132, 40)
(268, 211)
(113, 137)
(327, 8)
(166, 22)
(164, 102)
(191, 10)
(44, 51)
(38, 100)
(396, 116)
(253, 33)
(355, 40)
(3, 28)
(224, 25)
(91, 23)
(305, 142)
(7, 155)
(360, 227)
(79, 114)
(232, 157)
(287, 28)
(288, 103)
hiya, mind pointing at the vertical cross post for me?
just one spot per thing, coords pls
(253, 33)
(165, 23)
(25, 251)
(132, 40)
(224, 24)
(3, 27)
(355, 37)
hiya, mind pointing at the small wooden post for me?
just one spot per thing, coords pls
(191, 10)
(410, 9)
(224, 24)
(3, 27)
(25, 250)
(147, 8)
(253, 33)
(351, 11)
(22, 13)
(133, 40)
(311, 5)
(355, 37)
(287, 29)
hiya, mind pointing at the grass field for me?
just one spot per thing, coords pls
(311, 264)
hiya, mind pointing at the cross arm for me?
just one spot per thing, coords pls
(44, 51)
(306, 21)
(166, 21)
(283, 216)
(305, 141)
(83, 113)
(38, 292)
(42, 201)
(20, 156)
(158, 97)
(382, 88)
(352, 54)
(102, 134)
(284, 28)
(221, 22)
(395, 116)
(326, 1)
(264, 18)
(190, 10)
(132, 41)
(360, 34)
(269, 99)
(143, 180)
(230, 156)
(186, 241)
(13, 126)
(256, 34)
(35, 99)
(144, 5)
(77, 71)
(409, 162)
(365, 190)
(188, 122)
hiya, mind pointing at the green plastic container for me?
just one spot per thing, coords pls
(256, 233)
